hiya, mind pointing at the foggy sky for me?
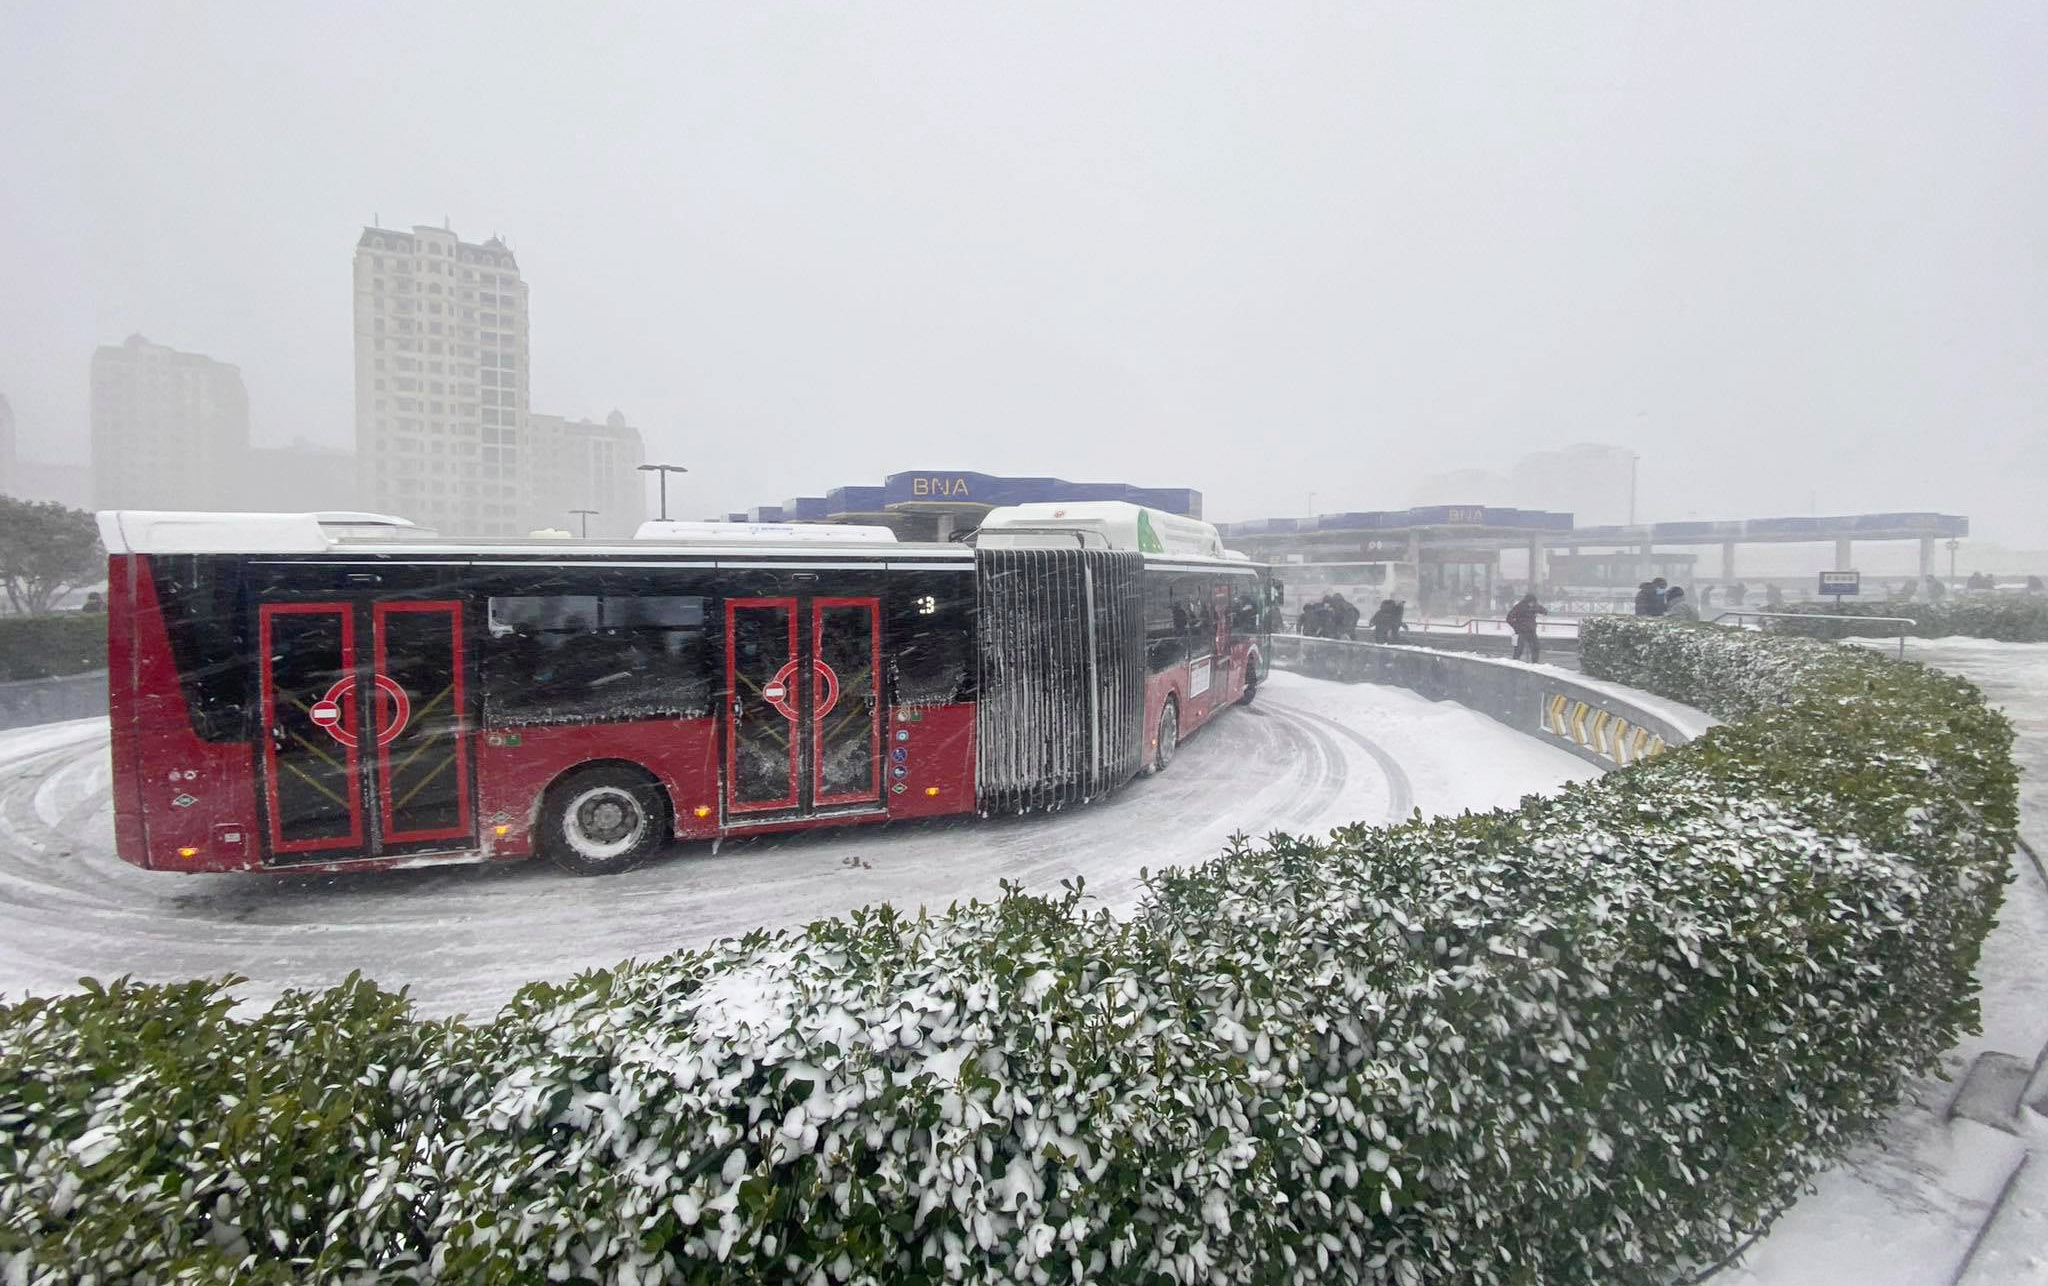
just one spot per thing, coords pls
(1256, 249)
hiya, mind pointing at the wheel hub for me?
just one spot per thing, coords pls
(605, 820)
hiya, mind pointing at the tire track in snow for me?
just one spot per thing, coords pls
(465, 937)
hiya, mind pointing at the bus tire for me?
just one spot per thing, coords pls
(1169, 735)
(602, 820)
(1251, 680)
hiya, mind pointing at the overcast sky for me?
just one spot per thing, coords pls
(1257, 249)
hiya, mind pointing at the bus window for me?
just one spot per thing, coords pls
(1246, 612)
(201, 598)
(1165, 624)
(928, 639)
(560, 658)
(1195, 597)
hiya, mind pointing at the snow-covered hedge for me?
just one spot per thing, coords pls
(1587, 1040)
(2013, 618)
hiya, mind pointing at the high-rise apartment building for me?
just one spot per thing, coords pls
(441, 381)
(581, 465)
(170, 430)
(7, 449)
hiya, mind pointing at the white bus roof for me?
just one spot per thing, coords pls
(1114, 524)
(153, 531)
(134, 531)
(726, 533)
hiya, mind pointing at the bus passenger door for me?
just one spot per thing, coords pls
(349, 777)
(761, 693)
(311, 760)
(803, 706)
(418, 697)
(846, 702)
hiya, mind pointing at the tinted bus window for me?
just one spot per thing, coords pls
(1195, 605)
(563, 658)
(928, 638)
(201, 599)
(1165, 624)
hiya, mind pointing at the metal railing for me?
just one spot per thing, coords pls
(1471, 623)
(1903, 622)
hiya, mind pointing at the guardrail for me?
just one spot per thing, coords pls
(1471, 623)
(27, 702)
(1903, 622)
(1605, 724)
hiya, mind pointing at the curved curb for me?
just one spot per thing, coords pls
(1605, 724)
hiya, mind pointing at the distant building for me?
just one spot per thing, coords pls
(170, 430)
(1591, 480)
(301, 477)
(1463, 487)
(7, 452)
(441, 381)
(1588, 479)
(67, 484)
(581, 465)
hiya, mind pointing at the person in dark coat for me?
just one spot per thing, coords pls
(1312, 619)
(1386, 622)
(1344, 619)
(1522, 620)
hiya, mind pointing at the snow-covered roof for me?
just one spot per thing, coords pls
(1114, 524)
(154, 531)
(729, 533)
(130, 531)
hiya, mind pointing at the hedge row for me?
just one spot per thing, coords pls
(2013, 618)
(1586, 1040)
(43, 647)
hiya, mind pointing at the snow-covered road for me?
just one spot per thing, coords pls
(1308, 756)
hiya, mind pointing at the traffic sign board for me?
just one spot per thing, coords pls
(1841, 584)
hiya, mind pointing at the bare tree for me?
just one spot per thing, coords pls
(45, 549)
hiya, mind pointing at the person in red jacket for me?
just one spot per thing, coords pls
(1522, 620)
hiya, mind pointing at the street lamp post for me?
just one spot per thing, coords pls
(664, 470)
(584, 514)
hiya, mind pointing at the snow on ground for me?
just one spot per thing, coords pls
(1308, 756)
(1906, 1209)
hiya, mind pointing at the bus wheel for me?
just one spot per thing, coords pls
(1251, 683)
(1169, 734)
(601, 820)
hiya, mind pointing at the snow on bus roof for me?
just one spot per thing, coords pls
(136, 531)
(155, 531)
(732, 533)
(1117, 523)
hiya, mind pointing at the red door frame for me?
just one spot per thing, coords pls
(732, 739)
(818, 797)
(265, 613)
(465, 828)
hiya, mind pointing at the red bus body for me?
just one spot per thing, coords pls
(336, 718)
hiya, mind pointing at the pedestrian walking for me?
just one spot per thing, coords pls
(1386, 622)
(1522, 620)
(1345, 624)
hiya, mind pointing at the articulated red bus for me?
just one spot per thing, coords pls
(327, 692)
